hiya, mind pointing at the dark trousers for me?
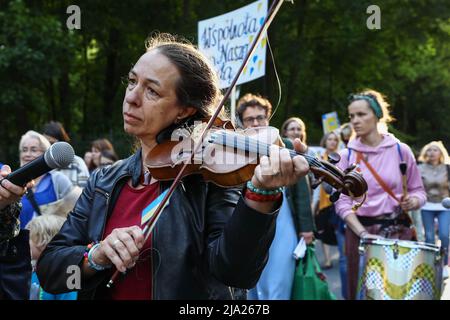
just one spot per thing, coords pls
(351, 247)
(15, 268)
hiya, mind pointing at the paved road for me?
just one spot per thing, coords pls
(333, 278)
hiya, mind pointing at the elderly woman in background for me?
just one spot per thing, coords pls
(434, 170)
(49, 187)
(15, 259)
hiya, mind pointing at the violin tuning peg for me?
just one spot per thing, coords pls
(334, 158)
(335, 196)
(316, 183)
(351, 168)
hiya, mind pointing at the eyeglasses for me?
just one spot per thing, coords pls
(259, 118)
(32, 150)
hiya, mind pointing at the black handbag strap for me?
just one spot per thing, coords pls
(32, 199)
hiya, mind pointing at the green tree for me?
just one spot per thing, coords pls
(322, 48)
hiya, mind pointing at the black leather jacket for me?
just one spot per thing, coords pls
(15, 259)
(206, 240)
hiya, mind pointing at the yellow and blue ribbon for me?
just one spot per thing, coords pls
(150, 210)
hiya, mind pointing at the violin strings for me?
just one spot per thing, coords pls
(254, 143)
(251, 142)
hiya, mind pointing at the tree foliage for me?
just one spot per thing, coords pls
(322, 48)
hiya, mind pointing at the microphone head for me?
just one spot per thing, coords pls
(446, 203)
(59, 155)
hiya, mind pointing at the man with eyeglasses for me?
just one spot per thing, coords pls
(294, 221)
(254, 111)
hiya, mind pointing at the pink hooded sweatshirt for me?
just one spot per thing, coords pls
(385, 159)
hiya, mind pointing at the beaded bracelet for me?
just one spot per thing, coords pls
(86, 251)
(265, 192)
(261, 197)
(90, 248)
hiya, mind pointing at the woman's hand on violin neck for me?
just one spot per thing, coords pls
(120, 248)
(279, 169)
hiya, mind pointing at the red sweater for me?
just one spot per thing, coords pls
(136, 285)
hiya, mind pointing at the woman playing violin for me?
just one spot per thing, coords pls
(208, 238)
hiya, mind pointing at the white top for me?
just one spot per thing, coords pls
(434, 206)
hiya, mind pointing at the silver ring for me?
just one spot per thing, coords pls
(115, 243)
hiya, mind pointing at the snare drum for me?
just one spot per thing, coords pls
(399, 270)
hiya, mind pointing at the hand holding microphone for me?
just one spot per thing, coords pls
(9, 192)
(12, 184)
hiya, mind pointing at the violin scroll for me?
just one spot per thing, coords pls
(355, 184)
(349, 182)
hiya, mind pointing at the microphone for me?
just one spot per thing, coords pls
(59, 155)
(446, 203)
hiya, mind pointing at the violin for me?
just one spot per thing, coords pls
(228, 157)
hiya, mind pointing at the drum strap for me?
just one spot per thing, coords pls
(359, 158)
(403, 218)
(369, 221)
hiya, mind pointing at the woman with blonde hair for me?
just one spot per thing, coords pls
(434, 170)
(42, 230)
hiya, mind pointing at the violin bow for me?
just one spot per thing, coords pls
(150, 224)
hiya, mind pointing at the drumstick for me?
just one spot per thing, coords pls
(403, 168)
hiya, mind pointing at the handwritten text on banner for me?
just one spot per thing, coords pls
(227, 38)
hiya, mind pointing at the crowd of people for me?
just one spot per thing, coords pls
(212, 242)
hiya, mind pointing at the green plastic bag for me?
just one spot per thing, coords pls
(309, 281)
